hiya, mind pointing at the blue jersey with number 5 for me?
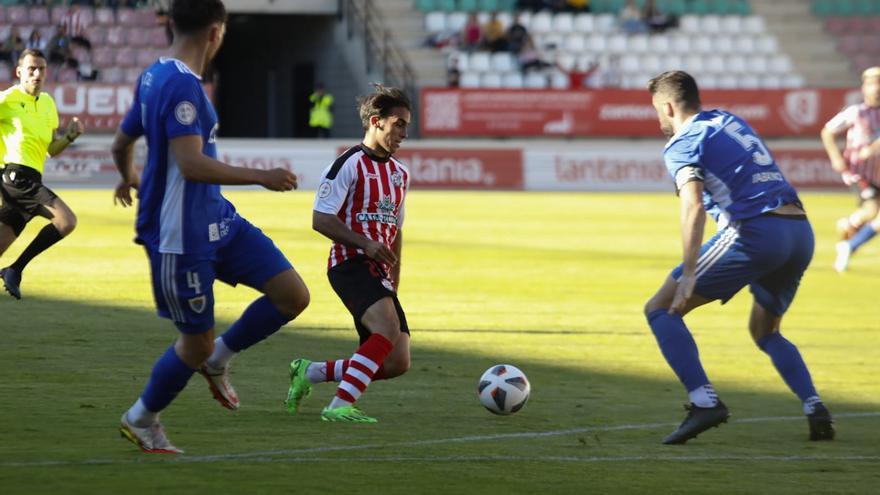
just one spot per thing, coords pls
(741, 179)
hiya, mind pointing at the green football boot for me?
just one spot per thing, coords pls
(300, 386)
(346, 414)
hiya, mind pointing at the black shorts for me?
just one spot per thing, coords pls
(24, 196)
(360, 282)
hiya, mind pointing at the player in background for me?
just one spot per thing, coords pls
(28, 125)
(764, 241)
(360, 207)
(858, 165)
(191, 233)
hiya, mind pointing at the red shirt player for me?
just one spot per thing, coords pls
(359, 206)
(858, 164)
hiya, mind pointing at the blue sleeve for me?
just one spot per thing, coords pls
(180, 114)
(133, 123)
(684, 151)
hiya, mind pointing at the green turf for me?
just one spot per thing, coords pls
(553, 283)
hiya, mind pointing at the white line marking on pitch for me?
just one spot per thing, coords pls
(272, 455)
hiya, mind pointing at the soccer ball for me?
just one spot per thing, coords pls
(503, 389)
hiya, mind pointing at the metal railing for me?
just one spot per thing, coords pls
(379, 45)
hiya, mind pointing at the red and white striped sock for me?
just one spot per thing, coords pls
(362, 366)
(334, 370)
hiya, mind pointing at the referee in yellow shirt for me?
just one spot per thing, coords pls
(28, 122)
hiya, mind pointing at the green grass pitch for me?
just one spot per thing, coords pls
(553, 283)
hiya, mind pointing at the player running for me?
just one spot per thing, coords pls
(192, 234)
(359, 206)
(765, 241)
(858, 165)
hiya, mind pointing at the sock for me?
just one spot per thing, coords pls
(170, 375)
(864, 235)
(811, 403)
(678, 347)
(221, 356)
(139, 415)
(260, 320)
(790, 365)
(333, 371)
(703, 396)
(45, 238)
(362, 366)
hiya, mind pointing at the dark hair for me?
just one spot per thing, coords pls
(32, 52)
(381, 102)
(191, 16)
(678, 85)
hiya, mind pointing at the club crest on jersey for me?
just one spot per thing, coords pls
(397, 179)
(324, 189)
(198, 303)
(185, 113)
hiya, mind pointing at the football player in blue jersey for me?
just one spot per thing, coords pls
(191, 233)
(765, 241)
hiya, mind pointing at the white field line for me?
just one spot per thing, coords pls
(278, 455)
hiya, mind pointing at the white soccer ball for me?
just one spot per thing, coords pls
(503, 389)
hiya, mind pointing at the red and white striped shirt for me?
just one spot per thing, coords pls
(862, 126)
(367, 195)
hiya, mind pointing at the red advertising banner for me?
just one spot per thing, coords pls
(616, 113)
(462, 168)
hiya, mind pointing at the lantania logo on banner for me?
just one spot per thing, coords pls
(385, 214)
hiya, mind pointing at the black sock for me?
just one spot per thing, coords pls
(48, 236)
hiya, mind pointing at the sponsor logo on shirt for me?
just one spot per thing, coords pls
(213, 232)
(324, 189)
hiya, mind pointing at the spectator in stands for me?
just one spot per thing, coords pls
(453, 74)
(12, 46)
(471, 33)
(530, 59)
(630, 19)
(517, 36)
(657, 20)
(494, 35)
(321, 114)
(577, 5)
(577, 78)
(59, 49)
(76, 23)
(36, 41)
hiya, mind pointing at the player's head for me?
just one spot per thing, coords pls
(675, 96)
(871, 86)
(31, 71)
(385, 116)
(204, 18)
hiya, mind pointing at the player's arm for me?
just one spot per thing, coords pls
(196, 166)
(332, 227)
(60, 143)
(397, 248)
(122, 151)
(872, 149)
(693, 221)
(835, 155)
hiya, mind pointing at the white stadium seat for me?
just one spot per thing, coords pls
(559, 80)
(479, 61)
(708, 81)
(710, 24)
(702, 44)
(671, 62)
(502, 62)
(639, 43)
(566, 60)
(659, 43)
(598, 43)
(793, 81)
(512, 80)
(736, 64)
(461, 58)
(771, 82)
(617, 43)
(758, 64)
(575, 42)
(584, 23)
(744, 44)
(767, 44)
(535, 80)
(693, 63)
(753, 24)
(651, 63)
(680, 44)
(689, 23)
(722, 44)
(490, 80)
(726, 81)
(469, 79)
(456, 21)
(435, 22)
(542, 22)
(749, 81)
(563, 22)
(731, 24)
(606, 23)
(714, 64)
(780, 64)
(630, 63)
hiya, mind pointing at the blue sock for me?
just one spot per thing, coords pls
(788, 361)
(678, 347)
(260, 320)
(170, 375)
(865, 234)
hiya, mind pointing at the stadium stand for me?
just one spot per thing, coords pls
(856, 27)
(124, 39)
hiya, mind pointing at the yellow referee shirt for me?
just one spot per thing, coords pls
(27, 127)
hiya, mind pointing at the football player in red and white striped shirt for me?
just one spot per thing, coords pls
(858, 164)
(360, 207)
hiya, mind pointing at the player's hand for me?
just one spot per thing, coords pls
(74, 129)
(850, 178)
(122, 194)
(684, 292)
(380, 252)
(279, 179)
(839, 165)
(865, 153)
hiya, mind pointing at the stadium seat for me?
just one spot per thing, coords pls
(125, 57)
(732, 24)
(512, 80)
(680, 44)
(469, 79)
(707, 81)
(598, 43)
(103, 56)
(502, 62)
(780, 64)
(111, 75)
(689, 24)
(575, 42)
(566, 61)
(710, 24)
(736, 64)
(563, 22)
(535, 80)
(753, 24)
(104, 15)
(659, 42)
(38, 15)
(480, 61)
(749, 81)
(435, 22)
(17, 15)
(158, 37)
(618, 43)
(727, 81)
(131, 74)
(766, 44)
(138, 37)
(758, 64)
(461, 58)
(744, 44)
(584, 23)
(693, 64)
(714, 64)
(116, 36)
(651, 63)
(793, 81)
(541, 22)
(456, 21)
(639, 43)
(145, 58)
(559, 80)
(606, 23)
(771, 81)
(702, 44)
(629, 63)
(490, 80)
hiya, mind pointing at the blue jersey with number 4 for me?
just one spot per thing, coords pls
(740, 177)
(175, 215)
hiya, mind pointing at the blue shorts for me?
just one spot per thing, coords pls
(768, 253)
(183, 285)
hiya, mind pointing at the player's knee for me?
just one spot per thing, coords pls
(294, 302)
(397, 367)
(66, 224)
(651, 306)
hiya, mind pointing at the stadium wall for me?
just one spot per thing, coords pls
(576, 165)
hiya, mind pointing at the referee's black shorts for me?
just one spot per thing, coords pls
(360, 282)
(24, 196)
